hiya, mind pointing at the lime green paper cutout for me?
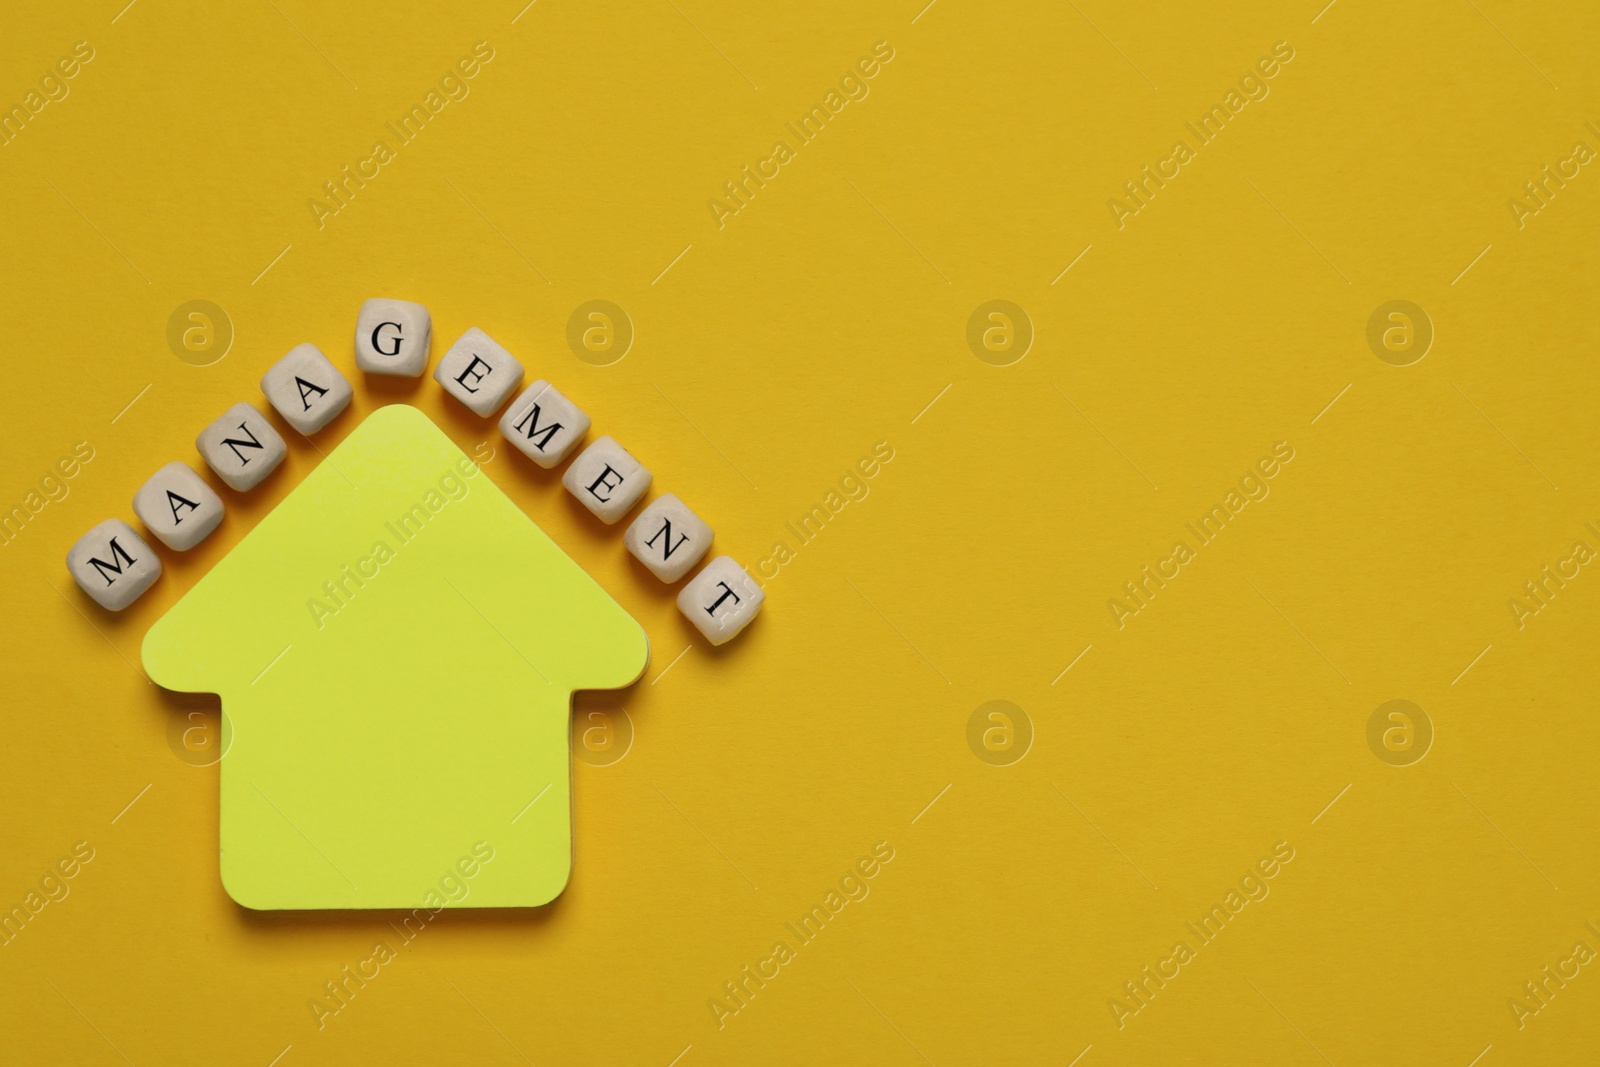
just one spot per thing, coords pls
(396, 646)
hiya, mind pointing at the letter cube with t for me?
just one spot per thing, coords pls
(307, 390)
(392, 337)
(113, 564)
(478, 372)
(668, 538)
(242, 447)
(543, 424)
(607, 479)
(721, 600)
(178, 507)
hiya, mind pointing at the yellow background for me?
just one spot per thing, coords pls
(769, 357)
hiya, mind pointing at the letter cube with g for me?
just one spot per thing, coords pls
(721, 600)
(242, 447)
(113, 564)
(392, 337)
(606, 479)
(543, 424)
(478, 372)
(178, 507)
(307, 390)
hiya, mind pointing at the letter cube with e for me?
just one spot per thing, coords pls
(543, 424)
(721, 600)
(478, 372)
(392, 337)
(607, 479)
(242, 447)
(307, 390)
(113, 564)
(668, 538)
(178, 507)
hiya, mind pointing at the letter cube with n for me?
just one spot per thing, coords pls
(242, 447)
(607, 480)
(113, 564)
(306, 389)
(668, 538)
(543, 424)
(478, 372)
(392, 337)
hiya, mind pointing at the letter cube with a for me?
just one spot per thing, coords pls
(543, 424)
(307, 390)
(606, 479)
(721, 600)
(113, 564)
(392, 337)
(478, 372)
(242, 447)
(178, 507)
(668, 538)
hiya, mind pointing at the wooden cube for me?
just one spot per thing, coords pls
(607, 479)
(242, 447)
(178, 507)
(543, 424)
(306, 389)
(721, 600)
(113, 564)
(668, 538)
(478, 372)
(392, 337)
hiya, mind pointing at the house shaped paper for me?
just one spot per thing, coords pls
(396, 646)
